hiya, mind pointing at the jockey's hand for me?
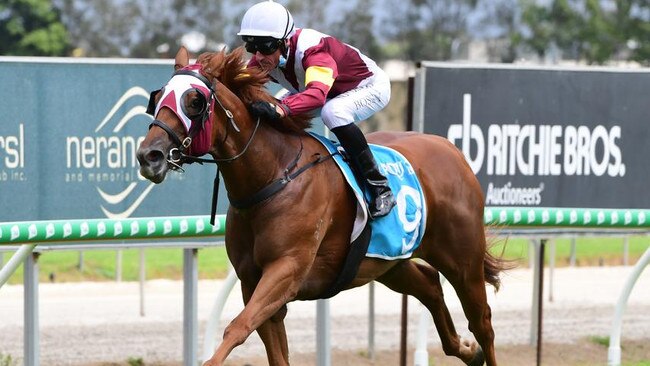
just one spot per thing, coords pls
(265, 110)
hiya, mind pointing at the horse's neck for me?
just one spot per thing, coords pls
(262, 152)
(265, 157)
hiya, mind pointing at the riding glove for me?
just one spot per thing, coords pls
(265, 110)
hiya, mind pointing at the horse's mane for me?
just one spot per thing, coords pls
(248, 84)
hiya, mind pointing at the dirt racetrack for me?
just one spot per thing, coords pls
(99, 323)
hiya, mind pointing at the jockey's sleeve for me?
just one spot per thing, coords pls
(320, 73)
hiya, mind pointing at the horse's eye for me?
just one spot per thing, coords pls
(197, 104)
(194, 103)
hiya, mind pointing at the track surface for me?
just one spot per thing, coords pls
(93, 323)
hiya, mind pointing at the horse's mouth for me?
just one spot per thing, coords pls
(151, 174)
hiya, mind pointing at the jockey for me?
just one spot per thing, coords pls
(320, 72)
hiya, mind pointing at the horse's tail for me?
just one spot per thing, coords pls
(493, 265)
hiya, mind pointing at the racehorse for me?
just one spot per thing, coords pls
(291, 244)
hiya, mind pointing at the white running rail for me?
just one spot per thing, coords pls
(614, 351)
(8, 269)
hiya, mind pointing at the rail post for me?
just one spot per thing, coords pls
(190, 307)
(323, 343)
(371, 320)
(31, 330)
(614, 351)
(209, 339)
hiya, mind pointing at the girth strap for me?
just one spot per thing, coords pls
(358, 250)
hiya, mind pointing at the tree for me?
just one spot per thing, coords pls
(31, 28)
(356, 28)
(539, 32)
(588, 30)
(427, 29)
(138, 28)
(308, 14)
(632, 20)
(498, 24)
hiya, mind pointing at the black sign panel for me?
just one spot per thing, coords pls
(544, 136)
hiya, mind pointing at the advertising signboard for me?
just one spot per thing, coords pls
(543, 136)
(69, 131)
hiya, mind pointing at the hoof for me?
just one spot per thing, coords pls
(479, 358)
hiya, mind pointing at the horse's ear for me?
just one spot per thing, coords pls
(182, 58)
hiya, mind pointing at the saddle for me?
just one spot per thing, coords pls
(394, 236)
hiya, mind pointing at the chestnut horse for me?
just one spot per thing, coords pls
(292, 245)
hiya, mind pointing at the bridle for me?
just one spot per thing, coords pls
(177, 154)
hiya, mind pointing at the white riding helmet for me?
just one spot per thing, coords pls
(267, 19)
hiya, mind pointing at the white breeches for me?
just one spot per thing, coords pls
(358, 104)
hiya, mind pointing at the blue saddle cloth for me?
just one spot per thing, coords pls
(399, 233)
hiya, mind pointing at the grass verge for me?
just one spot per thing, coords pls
(100, 265)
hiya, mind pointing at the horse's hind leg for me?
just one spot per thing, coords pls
(274, 336)
(423, 282)
(463, 266)
(470, 288)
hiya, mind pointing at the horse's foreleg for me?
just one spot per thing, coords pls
(278, 285)
(423, 282)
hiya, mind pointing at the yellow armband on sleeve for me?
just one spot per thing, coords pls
(320, 74)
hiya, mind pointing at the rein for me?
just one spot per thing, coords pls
(177, 155)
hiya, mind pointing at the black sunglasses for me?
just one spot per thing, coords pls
(266, 47)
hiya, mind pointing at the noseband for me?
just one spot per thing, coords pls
(176, 155)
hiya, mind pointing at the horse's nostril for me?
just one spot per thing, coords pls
(147, 157)
(155, 156)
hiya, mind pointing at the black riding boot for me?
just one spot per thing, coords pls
(365, 167)
(382, 197)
